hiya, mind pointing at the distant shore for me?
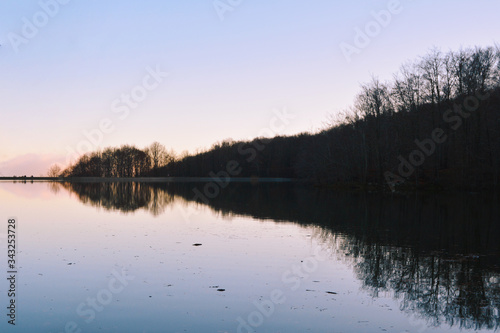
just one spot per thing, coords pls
(350, 187)
(148, 179)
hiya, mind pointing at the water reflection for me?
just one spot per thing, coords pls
(456, 290)
(438, 254)
(125, 197)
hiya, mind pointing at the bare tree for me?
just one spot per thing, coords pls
(374, 99)
(54, 171)
(450, 80)
(374, 103)
(484, 60)
(432, 66)
(158, 154)
(407, 89)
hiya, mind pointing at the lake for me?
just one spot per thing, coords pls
(269, 257)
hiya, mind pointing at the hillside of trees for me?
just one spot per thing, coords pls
(437, 122)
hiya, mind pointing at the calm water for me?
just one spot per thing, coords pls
(129, 257)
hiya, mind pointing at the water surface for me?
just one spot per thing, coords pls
(137, 257)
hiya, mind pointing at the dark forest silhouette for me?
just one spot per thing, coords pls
(437, 122)
(437, 254)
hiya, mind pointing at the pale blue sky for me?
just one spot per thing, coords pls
(225, 77)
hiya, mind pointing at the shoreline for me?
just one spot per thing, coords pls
(349, 187)
(149, 179)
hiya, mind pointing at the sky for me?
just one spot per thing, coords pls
(81, 75)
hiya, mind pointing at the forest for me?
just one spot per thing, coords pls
(436, 123)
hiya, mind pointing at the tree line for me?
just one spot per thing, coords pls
(125, 161)
(436, 122)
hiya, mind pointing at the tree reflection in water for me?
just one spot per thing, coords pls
(439, 255)
(125, 197)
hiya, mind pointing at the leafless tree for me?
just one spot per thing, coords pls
(407, 88)
(158, 154)
(54, 171)
(432, 72)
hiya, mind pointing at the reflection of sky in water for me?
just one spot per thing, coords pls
(68, 251)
